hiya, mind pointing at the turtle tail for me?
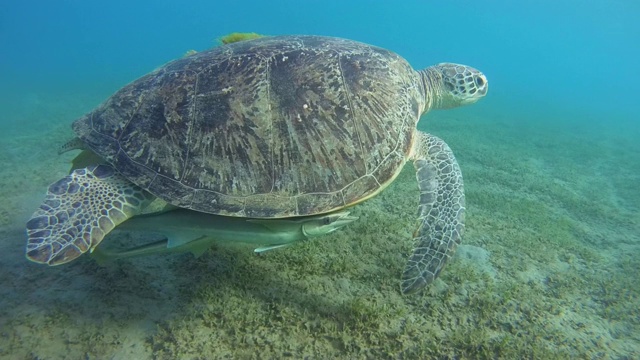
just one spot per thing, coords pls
(73, 144)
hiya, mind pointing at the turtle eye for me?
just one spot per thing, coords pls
(479, 81)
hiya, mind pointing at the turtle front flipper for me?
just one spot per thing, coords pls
(78, 211)
(440, 212)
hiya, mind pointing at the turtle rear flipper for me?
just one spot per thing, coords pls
(78, 211)
(440, 212)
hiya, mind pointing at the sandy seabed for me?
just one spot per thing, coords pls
(548, 267)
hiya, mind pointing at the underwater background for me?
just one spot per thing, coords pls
(549, 265)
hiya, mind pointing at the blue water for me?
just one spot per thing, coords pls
(567, 67)
(570, 54)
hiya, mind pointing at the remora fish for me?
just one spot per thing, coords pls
(195, 232)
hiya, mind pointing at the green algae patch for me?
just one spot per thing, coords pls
(238, 36)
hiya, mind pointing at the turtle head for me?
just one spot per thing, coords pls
(449, 85)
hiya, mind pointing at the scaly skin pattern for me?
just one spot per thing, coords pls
(440, 212)
(79, 210)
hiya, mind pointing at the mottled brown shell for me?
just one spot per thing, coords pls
(273, 127)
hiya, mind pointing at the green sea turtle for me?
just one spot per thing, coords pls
(271, 128)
